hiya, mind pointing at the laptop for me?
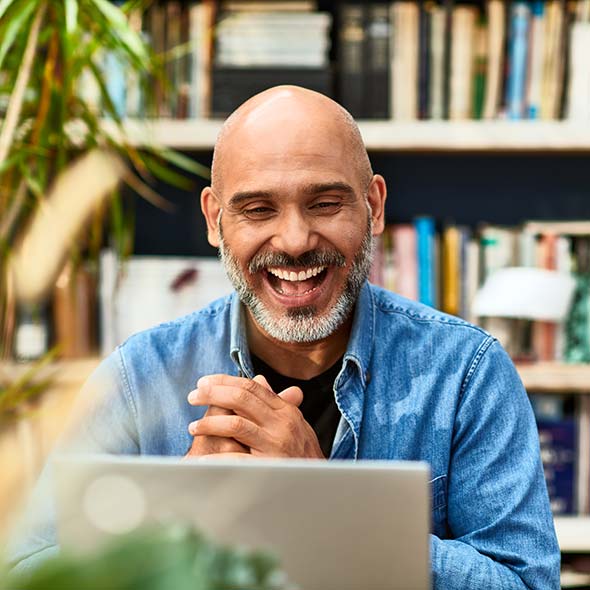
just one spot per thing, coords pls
(338, 524)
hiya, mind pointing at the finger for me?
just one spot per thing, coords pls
(232, 400)
(208, 445)
(236, 427)
(241, 456)
(254, 387)
(262, 380)
(292, 395)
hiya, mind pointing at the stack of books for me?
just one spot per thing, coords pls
(263, 44)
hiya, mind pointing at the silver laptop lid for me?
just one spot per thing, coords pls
(342, 525)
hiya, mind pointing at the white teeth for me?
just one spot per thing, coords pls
(302, 275)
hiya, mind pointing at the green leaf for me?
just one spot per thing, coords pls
(183, 162)
(166, 174)
(14, 26)
(71, 7)
(32, 183)
(119, 27)
(4, 6)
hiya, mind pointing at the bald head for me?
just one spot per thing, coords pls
(284, 112)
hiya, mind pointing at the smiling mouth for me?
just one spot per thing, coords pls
(295, 282)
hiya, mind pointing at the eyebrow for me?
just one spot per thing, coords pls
(311, 189)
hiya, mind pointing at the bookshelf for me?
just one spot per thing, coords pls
(549, 377)
(389, 136)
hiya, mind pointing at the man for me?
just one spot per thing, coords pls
(308, 360)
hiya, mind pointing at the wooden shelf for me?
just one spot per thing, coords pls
(445, 136)
(555, 378)
(573, 533)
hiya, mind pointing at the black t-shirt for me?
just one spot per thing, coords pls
(318, 407)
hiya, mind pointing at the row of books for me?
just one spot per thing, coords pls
(401, 60)
(497, 59)
(446, 268)
(215, 55)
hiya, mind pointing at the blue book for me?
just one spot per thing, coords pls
(425, 231)
(558, 439)
(517, 60)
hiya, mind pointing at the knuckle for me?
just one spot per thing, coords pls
(236, 425)
(292, 426)
(251, 386)
(242, 396)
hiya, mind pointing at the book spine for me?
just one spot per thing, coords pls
(424, 64)
(376, 98)
(451, 255)
(537, 40)
(480, 69)
(351, 47)
(448, 46)
(495, 64)
(437, 49)
(579, 78)
(405, 261)
(515, 92)
(425, 253)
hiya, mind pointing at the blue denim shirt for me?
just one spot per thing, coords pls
(415, 384)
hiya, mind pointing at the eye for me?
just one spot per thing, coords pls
(258, 212)
(326, 206)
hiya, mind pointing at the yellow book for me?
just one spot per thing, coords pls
(451, 267)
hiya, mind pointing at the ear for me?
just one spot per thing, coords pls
(211, 207)
(376, 196)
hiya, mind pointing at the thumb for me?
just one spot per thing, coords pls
(292, 395)
(261, 379)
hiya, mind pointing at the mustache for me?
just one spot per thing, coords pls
(310, 258)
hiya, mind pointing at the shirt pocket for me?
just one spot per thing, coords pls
(438, 488)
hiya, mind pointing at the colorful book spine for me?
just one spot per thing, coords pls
(517, 68)
(425, 232)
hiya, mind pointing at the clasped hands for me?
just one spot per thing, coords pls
(246, 418)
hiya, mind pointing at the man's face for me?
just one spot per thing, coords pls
(294, 232)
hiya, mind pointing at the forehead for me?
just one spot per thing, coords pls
(284, 151)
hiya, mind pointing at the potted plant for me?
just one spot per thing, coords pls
(61, 164)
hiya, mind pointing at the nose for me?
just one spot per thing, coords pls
(294, 234)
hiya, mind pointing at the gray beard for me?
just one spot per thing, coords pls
(302, 324)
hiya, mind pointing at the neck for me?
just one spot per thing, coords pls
(299, 360)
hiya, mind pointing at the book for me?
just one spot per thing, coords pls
(480, 66)
(437, 62)
(552, 61)
(558, 440)
(351, 46)
(462, 61)
(517, 59)
(578, 108)
(544, 333)
(451, 270)
(404, 247)
(495, 62)
(535, 76)
(424, 38)
(404, 68)
(378, 33)
(425, 234)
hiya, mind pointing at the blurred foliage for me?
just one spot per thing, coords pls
(15, 395)
(54, 101)
(173, 558)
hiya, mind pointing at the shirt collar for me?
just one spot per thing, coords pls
(358, 351)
